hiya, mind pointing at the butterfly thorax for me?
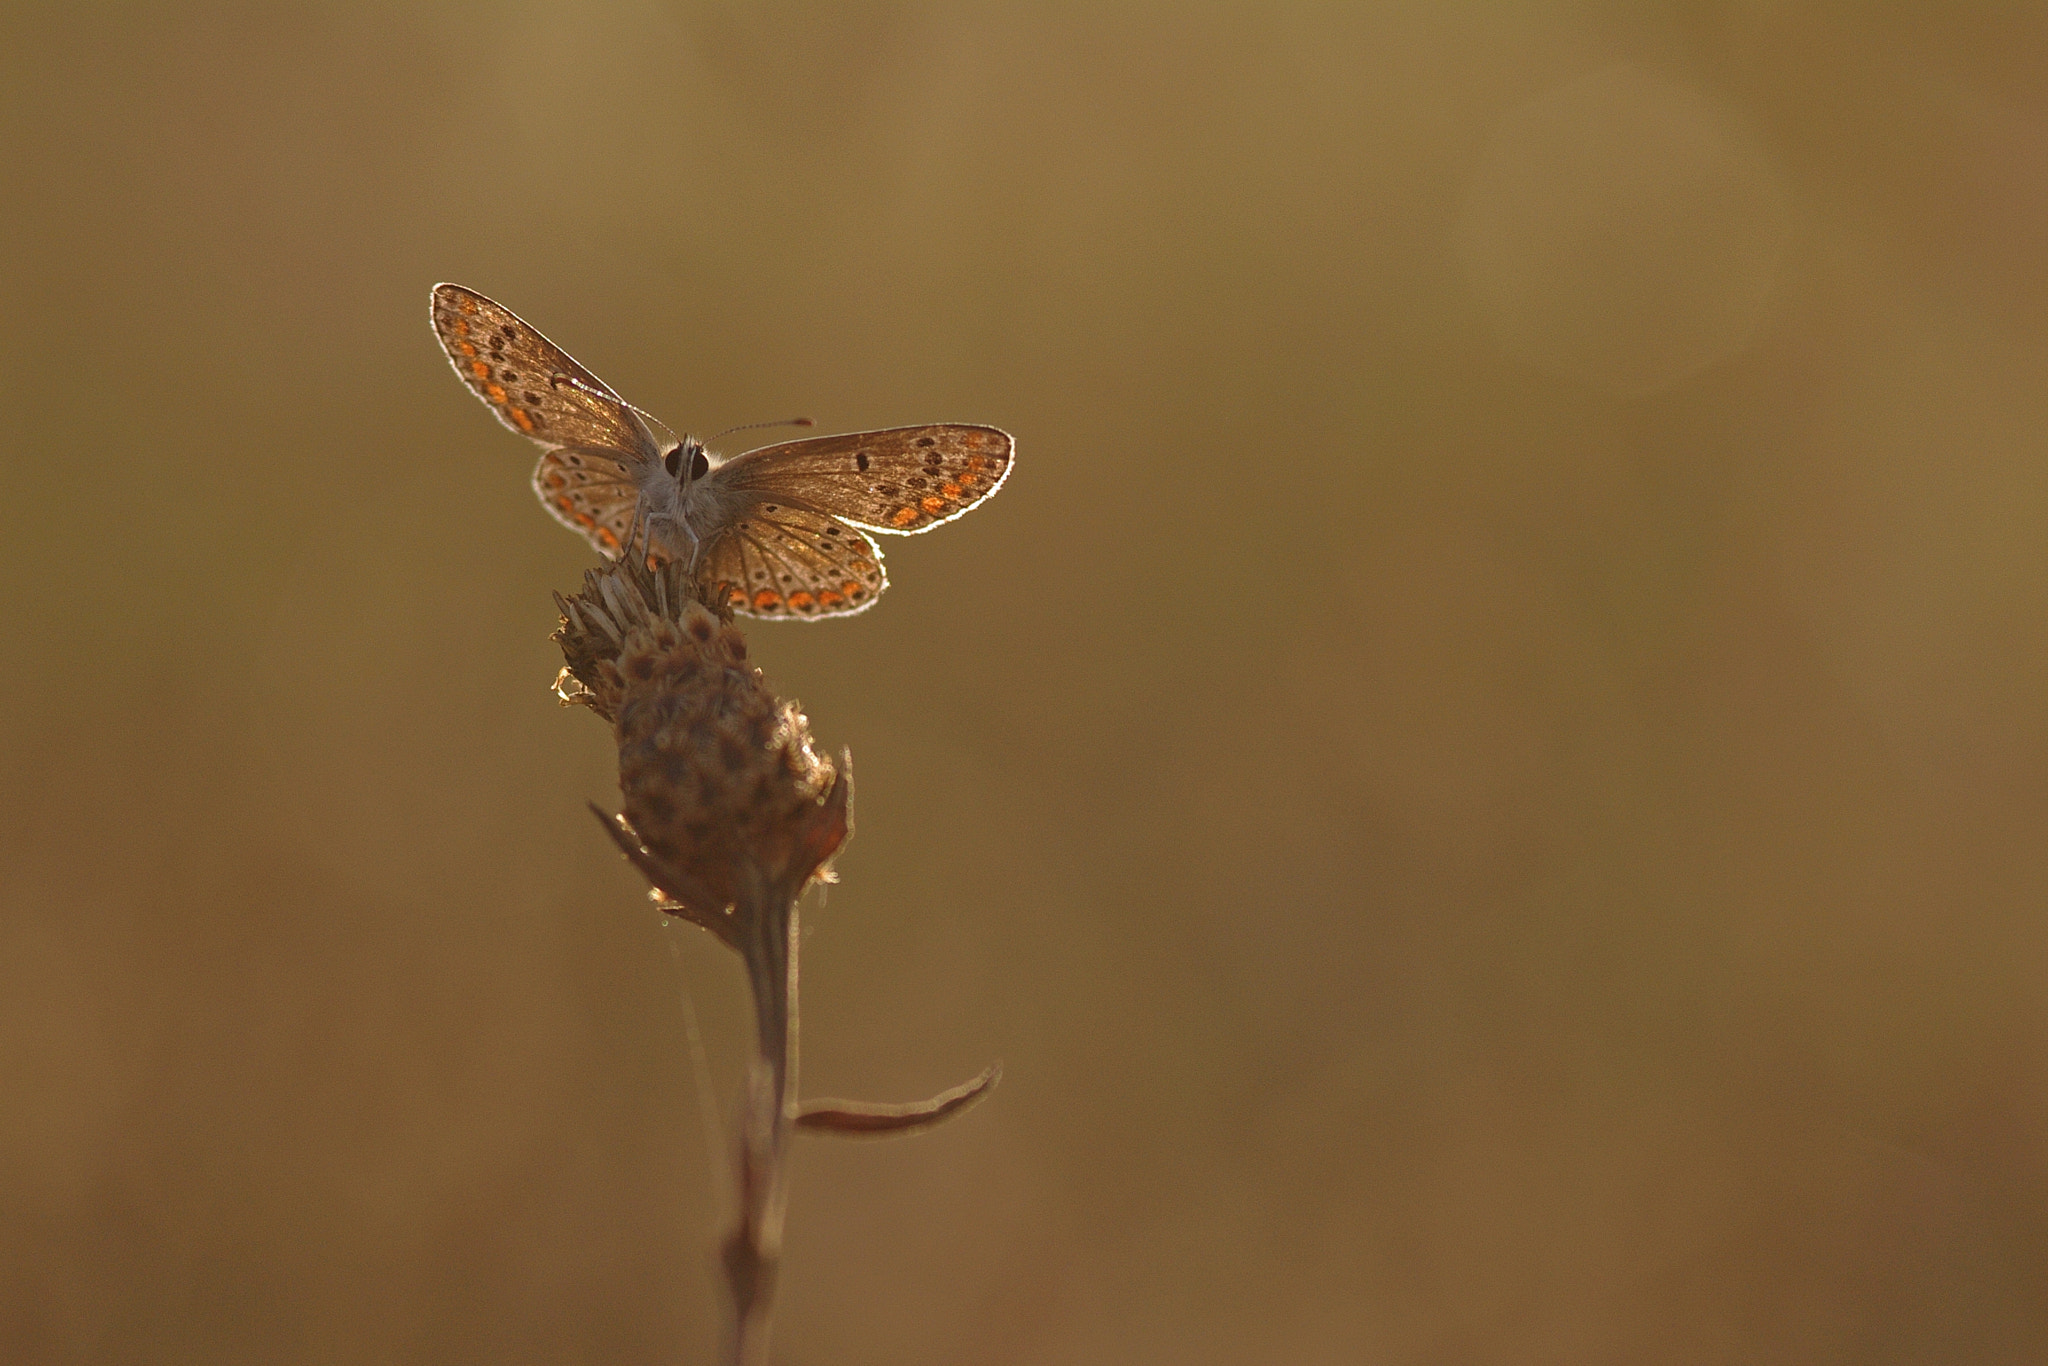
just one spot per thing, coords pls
(711, 504)
(683, 502)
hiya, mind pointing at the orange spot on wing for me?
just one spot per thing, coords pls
(468, 306)
(933, 504)
(802, 602)
(606, 539)
(950, 490)
(766, 599)
(465, 348)
(828, 598)
(903, 516)
(496, 391)
(850, 588)
(480, 369)
(525, 422)
(460, 327)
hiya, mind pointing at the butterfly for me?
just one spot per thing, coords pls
(777, 532)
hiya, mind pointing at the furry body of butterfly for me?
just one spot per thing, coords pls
(679, 510)
(776, 532)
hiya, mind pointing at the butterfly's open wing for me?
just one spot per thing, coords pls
(906, 479)
(532, 384)
(588, 491)
(791, 562)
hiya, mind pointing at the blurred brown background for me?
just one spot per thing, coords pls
(1485, 776)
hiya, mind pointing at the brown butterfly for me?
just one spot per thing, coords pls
(777, 532)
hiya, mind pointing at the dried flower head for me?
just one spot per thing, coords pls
(726, 802)
(730, 814)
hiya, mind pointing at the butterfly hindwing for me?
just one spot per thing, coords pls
(534, 386)
(588, 491)
(904, 479)
(791, 562)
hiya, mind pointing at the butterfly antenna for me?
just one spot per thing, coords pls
(598, 391)
(779, 422)
(655, 420)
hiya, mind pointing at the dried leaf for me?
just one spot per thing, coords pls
(863, 1120)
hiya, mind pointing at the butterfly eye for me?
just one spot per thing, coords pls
(699, 466)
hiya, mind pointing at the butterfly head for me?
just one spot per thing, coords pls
(687, 462)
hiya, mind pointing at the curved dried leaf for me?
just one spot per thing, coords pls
(864, 1120)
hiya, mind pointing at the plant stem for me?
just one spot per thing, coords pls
(753, 1250)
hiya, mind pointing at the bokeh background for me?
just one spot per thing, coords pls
(1485, 776)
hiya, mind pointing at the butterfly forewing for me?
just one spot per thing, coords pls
(533, 385)
(791, 562)
(905, 479)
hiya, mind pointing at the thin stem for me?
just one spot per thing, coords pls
(753, 1251)
(700, 1064)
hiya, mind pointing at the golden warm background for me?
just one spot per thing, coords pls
(1485, 776)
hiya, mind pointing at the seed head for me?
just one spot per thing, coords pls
(725, 800)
